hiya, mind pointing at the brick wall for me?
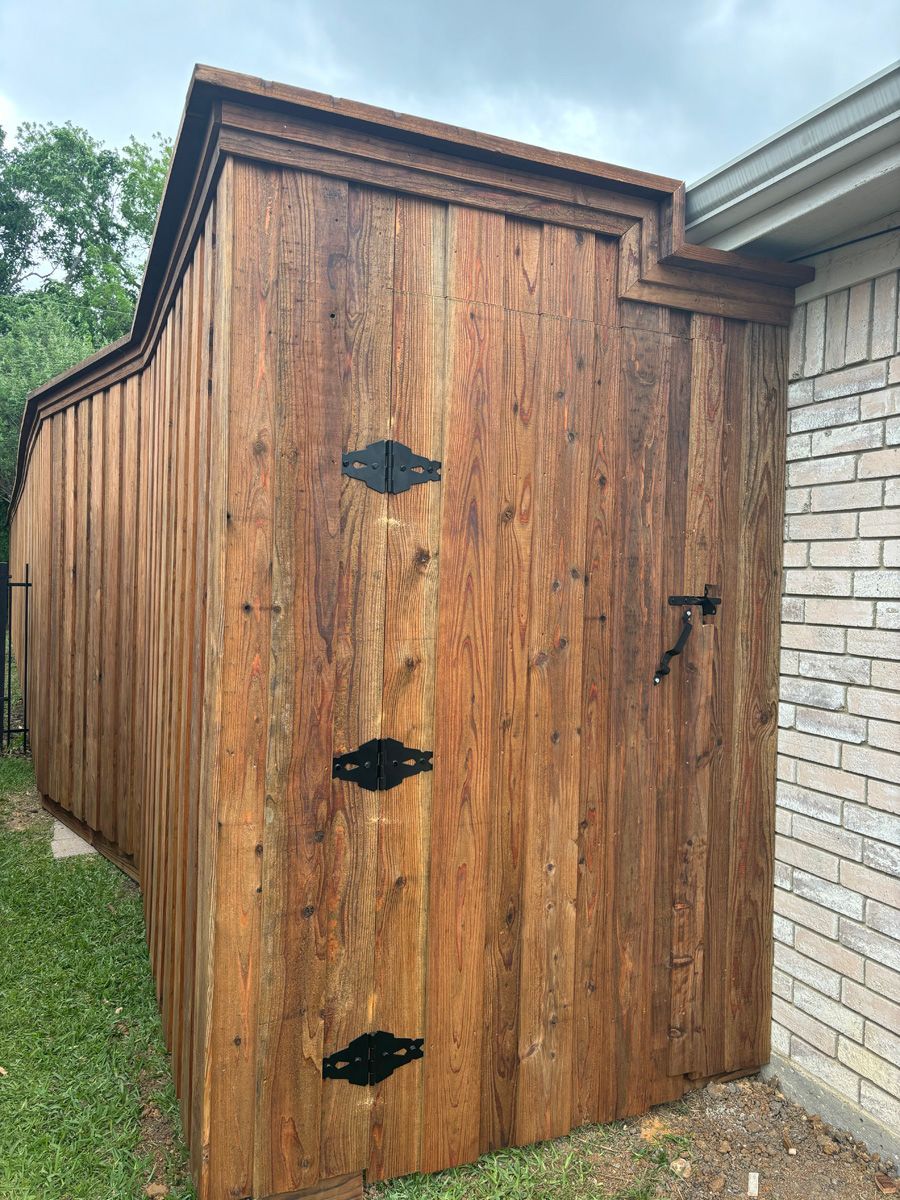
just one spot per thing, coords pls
(837, 902)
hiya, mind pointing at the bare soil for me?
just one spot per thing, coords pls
(726, 1131)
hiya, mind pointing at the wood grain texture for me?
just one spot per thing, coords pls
(562, 907)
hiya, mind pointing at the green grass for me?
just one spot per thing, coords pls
(83, 1067)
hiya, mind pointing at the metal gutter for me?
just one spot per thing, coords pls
(854, 138)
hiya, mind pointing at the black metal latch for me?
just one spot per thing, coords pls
(390, 467)
(707, 605)
(372, 1057)
(381, 764)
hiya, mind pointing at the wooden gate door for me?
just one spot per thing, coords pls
(538, 898)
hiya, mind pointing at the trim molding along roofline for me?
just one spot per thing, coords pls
(835, 168)
(232, 114)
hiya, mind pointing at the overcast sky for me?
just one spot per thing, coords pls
(672, 86)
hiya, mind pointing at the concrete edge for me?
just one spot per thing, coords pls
(836, 1110)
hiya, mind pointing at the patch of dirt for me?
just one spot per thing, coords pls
(158, 1139)
(715, 1137)
(21, 810)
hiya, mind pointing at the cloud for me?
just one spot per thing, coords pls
(672, 88)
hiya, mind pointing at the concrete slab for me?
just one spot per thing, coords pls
(67, 844)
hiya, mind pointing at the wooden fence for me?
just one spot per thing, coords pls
(562, 908)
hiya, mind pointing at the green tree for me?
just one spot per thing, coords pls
(76, 218)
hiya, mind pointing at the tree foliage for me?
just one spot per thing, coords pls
(76, 218)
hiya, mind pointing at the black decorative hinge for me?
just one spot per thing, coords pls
(707, 605)
(381, 764)
(372, 1057)
(390, 467)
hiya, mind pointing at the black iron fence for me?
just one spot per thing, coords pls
(13, 674)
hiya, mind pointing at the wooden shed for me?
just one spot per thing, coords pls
(354, 569)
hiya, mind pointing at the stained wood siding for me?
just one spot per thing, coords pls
(113, 524)
(573, 907)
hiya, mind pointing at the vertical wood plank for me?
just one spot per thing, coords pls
(109, 605)
(516, 456)
(96, 467)
(756, 703)
(308, 250)
(465, 695)
(412, 569)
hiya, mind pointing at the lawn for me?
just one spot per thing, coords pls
(87, 1111)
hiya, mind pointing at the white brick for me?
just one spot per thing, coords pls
(808, 858)
(838, 668)
(830, 724)
(884, 795)
(836, 496)
(879, 643)
(796, 554)
(829, 1012)
(824, 416)
(875, 583)
(791, 608)
(883, 524)
(882, 980)
(796, 500)
(873, 884)
(832, 954)
(880, 763)
(878, 464)
(870, 1065)
(783, 930)
(825, 1069)
(808, 971)
(893, 369)
(805, 912)
(877, 1008)
(781, 1040)
(868, 702)
(872, 823)
(882, 1106)
(847, 439)
(840, 612)
(800, 393)
(796, 340)
(786, 769)
(822, 470)
(812, 691)
(887, 612)
(829, 837)
(789, 662)
(892, 553)
(814, 749)
(892, 492)
(802, 637)
(819, 583)
(864, 378)
(837, 783)
(806, 1027)
(882, 857)
(844, 554)
(835, 329)
(814, 357)
(884, 316)
(838, 525)
(868, 942)
(883, 918)
(829, 895)
(859, 318)
(892, 430)
(883, 1043)
(783, 985)
(884, 735)
(886, 676)
(786, 714)
(799, 445)
(885, 403)
(782, 876)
